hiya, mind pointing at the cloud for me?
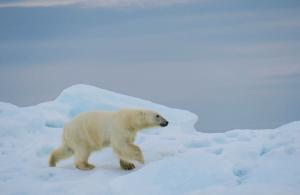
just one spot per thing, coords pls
(92, 3)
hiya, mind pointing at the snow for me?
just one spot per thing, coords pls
(178, 159)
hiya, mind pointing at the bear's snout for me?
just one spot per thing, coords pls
(164, 124)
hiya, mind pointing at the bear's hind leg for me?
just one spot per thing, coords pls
(126, 165)
(58, 154)
(81, 159)
(84, 166)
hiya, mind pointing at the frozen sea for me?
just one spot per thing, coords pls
(178, 159)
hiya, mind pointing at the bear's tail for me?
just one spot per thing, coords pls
(58, 154)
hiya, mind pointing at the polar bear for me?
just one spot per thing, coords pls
(91, 131)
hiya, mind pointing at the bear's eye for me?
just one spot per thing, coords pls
(157, 116)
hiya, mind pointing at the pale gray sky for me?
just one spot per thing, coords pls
(236, 64)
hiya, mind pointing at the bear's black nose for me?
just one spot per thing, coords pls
(164, 124)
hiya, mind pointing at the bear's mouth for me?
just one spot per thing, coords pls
(164, 124)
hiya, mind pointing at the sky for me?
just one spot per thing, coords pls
(235, 63)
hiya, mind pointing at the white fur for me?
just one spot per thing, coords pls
(91, 131)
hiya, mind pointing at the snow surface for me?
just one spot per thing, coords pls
(178, 159)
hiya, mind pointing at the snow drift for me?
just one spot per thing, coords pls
(179, 160)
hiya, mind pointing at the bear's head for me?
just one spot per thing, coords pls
(141, 119)
(153, 119)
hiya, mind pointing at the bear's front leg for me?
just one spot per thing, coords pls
(129, 152)
(126, 165)
(137, 153)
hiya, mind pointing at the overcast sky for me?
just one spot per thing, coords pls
(235, 63)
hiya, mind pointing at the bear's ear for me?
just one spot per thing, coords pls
(142, 113)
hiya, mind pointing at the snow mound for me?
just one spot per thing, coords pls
(179, 160)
